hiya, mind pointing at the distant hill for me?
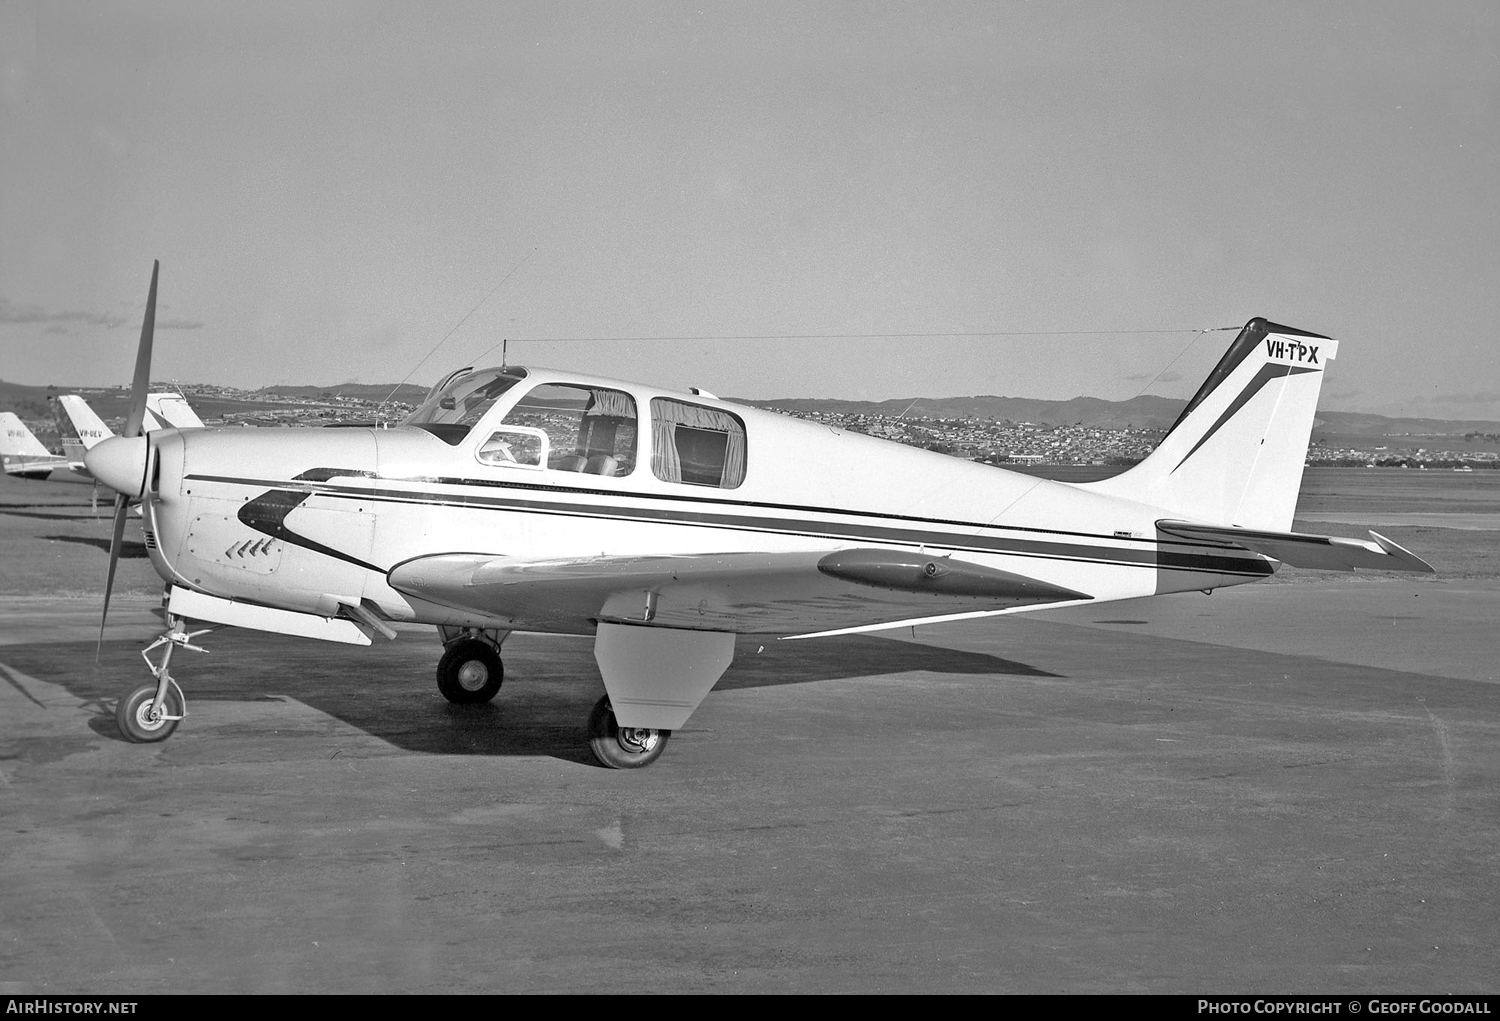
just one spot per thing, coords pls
(28, 402)
(1148, 412)
(1140, 412)
(406, 393)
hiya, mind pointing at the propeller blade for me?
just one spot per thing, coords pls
(142, 381)
(122, 506)
(139, 385)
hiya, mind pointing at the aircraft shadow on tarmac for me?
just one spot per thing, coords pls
(129, 549)
(77, 515)
(390, 692)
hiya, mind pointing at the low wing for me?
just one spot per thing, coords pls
(1300, 549)
(756, 593)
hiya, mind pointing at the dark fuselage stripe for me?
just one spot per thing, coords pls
(806, 527)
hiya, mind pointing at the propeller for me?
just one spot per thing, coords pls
(116, 466)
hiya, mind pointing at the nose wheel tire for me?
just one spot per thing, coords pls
(623, 747)
(142, 721)
(470, 672)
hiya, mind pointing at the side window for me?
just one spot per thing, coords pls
(515, 445)
(696, 445)
(577, 429)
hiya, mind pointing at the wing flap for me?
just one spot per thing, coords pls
(1303, 549)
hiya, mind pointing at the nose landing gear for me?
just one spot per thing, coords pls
(144, 717)
(151, 712)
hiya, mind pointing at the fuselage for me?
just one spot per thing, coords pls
(50, 470)
(309, 519)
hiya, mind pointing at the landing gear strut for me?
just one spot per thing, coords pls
(470, 672)
(152, 712)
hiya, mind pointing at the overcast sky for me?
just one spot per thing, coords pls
(332, 188)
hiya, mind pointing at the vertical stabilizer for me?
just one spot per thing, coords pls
(171, 411)
(1235, 455)
(16, 438)
(89, 427)
(22, 454)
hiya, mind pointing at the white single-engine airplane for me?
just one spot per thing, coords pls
(666, 523)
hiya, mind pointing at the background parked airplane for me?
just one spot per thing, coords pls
(25, 456)
(81, 427)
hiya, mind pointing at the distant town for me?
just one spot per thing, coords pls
(997, 442)
(990, 440)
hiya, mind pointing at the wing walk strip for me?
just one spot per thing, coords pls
(1207, 561)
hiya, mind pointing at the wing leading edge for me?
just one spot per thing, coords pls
(754, 593)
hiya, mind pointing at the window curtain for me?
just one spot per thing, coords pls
(663, 410)
(665, 464)
(612, 403)
(734, 459)
(666, 415)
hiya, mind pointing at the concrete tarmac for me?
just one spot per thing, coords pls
(1279, 788)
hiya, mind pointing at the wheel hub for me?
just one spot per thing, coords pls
(638, 739)
(149, 715)
(473, 675)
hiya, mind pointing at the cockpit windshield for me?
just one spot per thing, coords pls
(451, 412)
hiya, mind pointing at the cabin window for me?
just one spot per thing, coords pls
(696, 445)
(515, 445)
(587, 429)
(453, 409)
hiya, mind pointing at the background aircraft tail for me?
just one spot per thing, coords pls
(19, 444)
(81, 427)
(87, 426)
(23, 455)
(1235, 455)
(171, 411)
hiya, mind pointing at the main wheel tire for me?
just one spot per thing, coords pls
(139, 721)
(622, 747)
(470, 672)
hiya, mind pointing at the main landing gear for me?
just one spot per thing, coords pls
(623, 747)
(152, 712)
(470, 672)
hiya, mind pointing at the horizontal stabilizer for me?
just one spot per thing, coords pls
(1300, 549)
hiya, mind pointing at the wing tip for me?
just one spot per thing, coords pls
(1409, 560)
